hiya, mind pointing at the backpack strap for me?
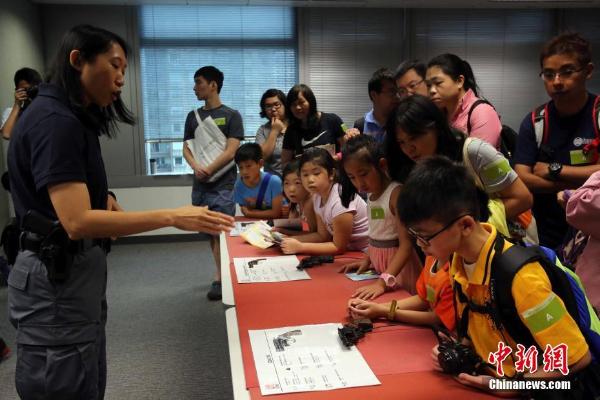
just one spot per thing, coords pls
(539, 119)
(197, 117)
(473, 106)
(505, 266)
(462, 322)
(593, 146)
(262, 190)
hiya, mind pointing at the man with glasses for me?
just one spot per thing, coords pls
(410, 79)
(557, 147)
(383, 95)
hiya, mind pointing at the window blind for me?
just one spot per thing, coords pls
(587, 23)
(343, 47)
(254, 47)
(502, 47)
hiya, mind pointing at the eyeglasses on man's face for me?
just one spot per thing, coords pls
(426, 239)
(410, 88)
(564, 73)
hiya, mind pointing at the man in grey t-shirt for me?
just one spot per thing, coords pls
(217, 195)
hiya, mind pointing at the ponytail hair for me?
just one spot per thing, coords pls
(364, 148)
(454, 66)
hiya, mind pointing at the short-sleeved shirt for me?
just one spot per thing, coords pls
(242, 192)
(50, 145)
(540, 309)
(434, 287)
(330, 129)
(491, 166)
(368, 125)
(333, 208)
(230, 123)
(485, 122)
(273, 163)
(566, 136)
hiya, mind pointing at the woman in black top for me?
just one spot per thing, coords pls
(308, 126)
(57, 301)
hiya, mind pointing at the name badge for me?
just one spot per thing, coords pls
(377, 213)
(578, 157)
(220, 121)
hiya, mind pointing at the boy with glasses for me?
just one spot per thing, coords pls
(441, 207)
(557, 147)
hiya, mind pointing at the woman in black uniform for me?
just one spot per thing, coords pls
(58, 283)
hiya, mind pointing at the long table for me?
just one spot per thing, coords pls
(398, 354)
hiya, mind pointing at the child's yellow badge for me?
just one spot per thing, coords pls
(377, 213)
(220, 121)
(579, 157)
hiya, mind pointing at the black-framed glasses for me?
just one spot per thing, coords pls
(426, 240)
(566, 73)
(274, 106)
(410, 88)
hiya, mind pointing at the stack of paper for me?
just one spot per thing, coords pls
(258, 234)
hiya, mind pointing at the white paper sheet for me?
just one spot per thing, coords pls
(268, 269)
(307, 358)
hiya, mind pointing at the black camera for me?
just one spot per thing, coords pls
(456, 358)
(32, 92)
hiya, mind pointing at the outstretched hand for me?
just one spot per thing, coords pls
(201, 219)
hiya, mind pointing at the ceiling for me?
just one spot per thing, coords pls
(353, 3)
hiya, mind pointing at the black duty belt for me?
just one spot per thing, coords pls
(31, 241)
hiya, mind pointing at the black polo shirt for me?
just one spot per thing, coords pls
(50, 145)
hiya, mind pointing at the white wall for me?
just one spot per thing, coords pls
(150, 198)
(21, 45)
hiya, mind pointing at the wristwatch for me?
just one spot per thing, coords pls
(389, 279)
(554, 170)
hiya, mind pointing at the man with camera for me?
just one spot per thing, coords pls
(26, 83)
